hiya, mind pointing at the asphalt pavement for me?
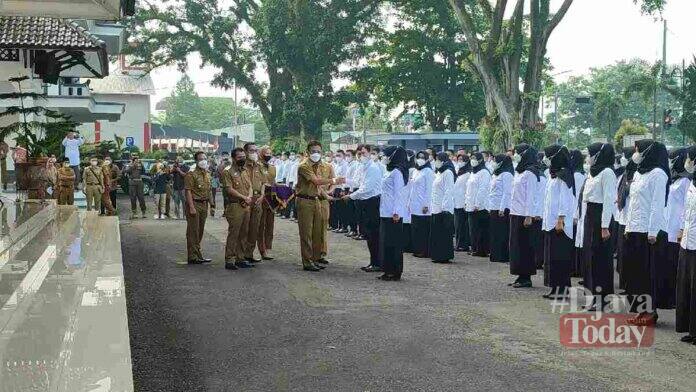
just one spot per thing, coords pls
(455, 327)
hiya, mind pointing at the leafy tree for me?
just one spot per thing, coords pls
(184, 107)
(298, 44)
(648, 86)
(687, 123)
(628, 127)
(513, 87)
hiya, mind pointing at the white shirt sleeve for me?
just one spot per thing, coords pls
(657, 204)
(373, 181)
(398, 207)
(448, 191)
(609, 191)
(484, 182)
(506, 183)
(531, 185)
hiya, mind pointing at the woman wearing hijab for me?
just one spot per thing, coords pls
(676, 204)
(392, 209)
(499, 196)
(622, 202)
(598, 198)
(442, 207)
(419, 205)
(476, 204)
(461, 221)
(537, 233)
(406, 196)
(524, 191)
(645, 245)
(686, 270)
(578, 162)
(557, 218)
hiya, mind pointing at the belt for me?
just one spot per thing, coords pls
(201, 200)
(94, 184)
(307, 197)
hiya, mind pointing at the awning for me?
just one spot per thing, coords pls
(69, 9)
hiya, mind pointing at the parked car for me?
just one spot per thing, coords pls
(148, 182)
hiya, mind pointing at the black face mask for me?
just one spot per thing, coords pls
(267, 158)
(240, 162)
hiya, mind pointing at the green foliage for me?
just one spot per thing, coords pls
(288, 143)
(491, 135)
(628, 127)
(184, 107)
(155, 153)
(687, 123)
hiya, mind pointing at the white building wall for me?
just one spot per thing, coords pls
(132, 122)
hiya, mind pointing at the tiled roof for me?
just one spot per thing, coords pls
(46, 33)
(122, 83)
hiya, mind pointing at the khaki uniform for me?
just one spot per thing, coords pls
(109, 185)
(312, 217)
(257, 177)
(198, 183)
(94, 186)
(66, 186)
(237, 212)
(265, 237)
(327, 215)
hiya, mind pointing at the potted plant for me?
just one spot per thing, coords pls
(39, 138)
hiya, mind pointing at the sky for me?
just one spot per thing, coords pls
(594, 33)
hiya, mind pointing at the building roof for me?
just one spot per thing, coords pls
(31, 32)
(126, 83)
(426, 136)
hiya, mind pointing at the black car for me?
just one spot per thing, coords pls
(148, 182)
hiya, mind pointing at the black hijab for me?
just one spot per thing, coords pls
(529, 159)
(398, 159)
(466, 167)
(411, 156)
(655, 156)
(691, 154)
(678, 158)
(446, 164)
(603, 154)
(481, 163)
(625, 184)
(504, 164)
(542, 165)
(423, 155)
(561, 165)
(577, 160)
(619, 171)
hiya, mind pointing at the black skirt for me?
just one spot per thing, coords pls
(597, 253)
(441, 234)
(559, 251)
(420, 234)
(664, 261)
(406, 232)
(578, 258)
(500, 237)
(686, 292)
(619, 255)
(537, 237)
(521, 248)
(390, 246)
(478, 231)
(461, 229)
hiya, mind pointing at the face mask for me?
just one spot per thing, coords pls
(420, 162)
(202, 164)
(349, 158)
(339, 159)
(93, 163)
(267, 159)
(546, 161)
(689, 166)
(240, 162)
(254, 157)
(474, 162)
(385, 161)
(292, 157)
(66, 164)
(623, 161)
(364, 159)
(637, 158)
(374, 157)
(494, 166)
(517, 158)
(586, 167)
(315, 157)
(438, 164)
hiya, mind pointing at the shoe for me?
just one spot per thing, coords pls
(195, 261)
(322, 261)
(342, 231)
(461, 250)
(133, 216)
(688, 339)
(229, 265)
(513, 283)
(351, 234)
(206, 260)
(243, 264)
(267, 258)
(312, 268)
(373, 268)
(143, 215)
(319, 266)
(392, 278)
(522, 284)
(252, 260)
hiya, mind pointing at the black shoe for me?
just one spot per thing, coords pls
(229, 265)
(252, 260)
(266, 258)
(351, 234)
(461, 250)
(365, 267)
(322, 261)
(312, 268)
(688, 339)
(319, 266)
(373, 268)
(513, 283)
(243, 264)
(522, 284)
(195, 261)
(206, 260)
(342, 231)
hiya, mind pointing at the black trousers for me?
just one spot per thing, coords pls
(686, 292)
(559, 251)
(461, 229)
(521, 248)
(370, 225)
(441, 237)
(390, 246)
(500, 236)
(478, 231)
(420, 234)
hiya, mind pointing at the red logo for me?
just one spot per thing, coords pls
(604, 330)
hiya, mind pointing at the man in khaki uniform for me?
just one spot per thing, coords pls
(265, 237)
(66, 184)
(312, 176)
(237, 210)
(198, 192)
(326, 207)
(257, 176)
(93, 178)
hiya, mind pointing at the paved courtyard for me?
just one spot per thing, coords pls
(451, 327)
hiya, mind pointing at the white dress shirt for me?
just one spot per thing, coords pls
(500, 192)
(477, 190)
(688, 240)
(646, 213)
(422, 191)
(406, 195)
(371, 185)
(359, 175)
(579, 182)
(443, 193)
(540, 194)
(524, 191)
(72, 149)
(392, 202)
(676, 205)
(558, 201)
(460, 187)
(602, 189)
(281, 166)
(351, 174)
(291, 172)
(341, 168)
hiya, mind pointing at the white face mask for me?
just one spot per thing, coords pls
(637, 158)
(349, 159)
(494, 166)
(385, 161)
(546, 161)
(689, 166)
(93, 163)
(586, 167)
(438, 164)
(339, 159)
(107, 162)
(202, 164)
(474, 162)
(374, 157)
(292, 157)
(517, 158)
(364, 159)
(254, 157)
(315, 157)
(420, 162)
(623, 161)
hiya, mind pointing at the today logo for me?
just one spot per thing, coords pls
(605, 330)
